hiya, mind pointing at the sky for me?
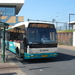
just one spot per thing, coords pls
(48, 10)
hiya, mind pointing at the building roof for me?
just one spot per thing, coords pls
(17, 3)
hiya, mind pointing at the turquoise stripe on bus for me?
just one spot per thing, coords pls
(10, 46)
(41, 55)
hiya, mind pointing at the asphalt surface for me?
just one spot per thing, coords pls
(64, 64)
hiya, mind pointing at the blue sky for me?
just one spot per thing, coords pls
(48, 10)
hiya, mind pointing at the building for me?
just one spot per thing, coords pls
(73, 24)
(9, 9)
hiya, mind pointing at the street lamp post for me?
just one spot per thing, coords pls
(69, 19)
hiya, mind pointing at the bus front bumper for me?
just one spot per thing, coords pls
(41, 55)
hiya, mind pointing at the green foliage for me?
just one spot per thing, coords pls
(65, 31)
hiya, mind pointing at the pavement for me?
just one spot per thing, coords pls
(11, 68)
(66, 47)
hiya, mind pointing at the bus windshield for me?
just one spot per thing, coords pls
(41, 35)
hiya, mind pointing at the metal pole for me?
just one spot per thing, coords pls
(4, 45)
(0, 33)
(1, 12)
(69, 21)
(56, 25)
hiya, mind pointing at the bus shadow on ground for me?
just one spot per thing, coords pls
(60, 57)
(64, 57)
(9, 73)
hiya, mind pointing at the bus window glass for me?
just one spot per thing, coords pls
(16, 35)
(52, 35)
(32, 34)
(36, 34)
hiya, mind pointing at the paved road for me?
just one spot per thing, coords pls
(64, 64)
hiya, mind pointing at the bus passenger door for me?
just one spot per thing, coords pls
(23, 46)
(22, 49)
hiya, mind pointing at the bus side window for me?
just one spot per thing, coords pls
(11, 36)
(52, 35)
(20, 37)
(8, 35)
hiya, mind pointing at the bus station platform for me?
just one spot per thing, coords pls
(11, 68)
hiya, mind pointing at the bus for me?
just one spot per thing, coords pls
(26, 40)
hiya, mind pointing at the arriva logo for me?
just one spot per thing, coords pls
(44, 50)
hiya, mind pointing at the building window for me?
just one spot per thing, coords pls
(2, 9)
(8, 11)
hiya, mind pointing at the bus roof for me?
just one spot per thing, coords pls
(25, 24)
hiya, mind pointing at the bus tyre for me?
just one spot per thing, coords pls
(17, 52)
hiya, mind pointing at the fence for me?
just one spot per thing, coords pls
(65, 38)
(63, 26)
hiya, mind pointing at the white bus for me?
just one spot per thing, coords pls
(32, 40)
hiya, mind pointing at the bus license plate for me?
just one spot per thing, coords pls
(44, 56)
